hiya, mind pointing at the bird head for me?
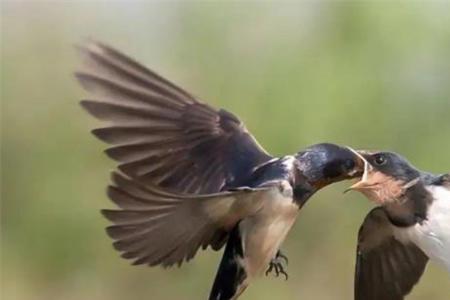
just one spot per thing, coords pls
(326, 163)
(386, 176)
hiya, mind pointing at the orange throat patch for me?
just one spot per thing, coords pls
(380, 188)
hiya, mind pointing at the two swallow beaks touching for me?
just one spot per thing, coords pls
(190, 176)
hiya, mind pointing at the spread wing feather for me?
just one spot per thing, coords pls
(156, 227)
(161, 134)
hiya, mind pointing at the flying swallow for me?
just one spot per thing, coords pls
(192, 176)
(410, 226)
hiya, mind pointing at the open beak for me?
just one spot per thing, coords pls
(376, 185)
(365, 181)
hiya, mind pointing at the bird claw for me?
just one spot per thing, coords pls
(282, 256)
(276, 265)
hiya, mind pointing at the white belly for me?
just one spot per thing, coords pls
(433, 236)
(263, 233)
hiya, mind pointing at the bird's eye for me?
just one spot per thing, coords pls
(349, 164)
(380, 159)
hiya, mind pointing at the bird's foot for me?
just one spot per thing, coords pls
(276, 265)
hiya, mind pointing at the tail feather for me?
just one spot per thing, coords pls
(231, 275)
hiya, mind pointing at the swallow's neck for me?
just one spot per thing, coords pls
(411, 208)
(301, 185)
(302, 193)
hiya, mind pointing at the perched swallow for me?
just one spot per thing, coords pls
(191, 176)
(410, 226)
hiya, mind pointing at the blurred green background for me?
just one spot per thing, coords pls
(365, 74)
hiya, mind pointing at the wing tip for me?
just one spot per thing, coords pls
(90, 45)
(91, 107)
(110, 214)
(103, 134)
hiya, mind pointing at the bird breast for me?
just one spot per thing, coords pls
(263, 233)
(433, 234)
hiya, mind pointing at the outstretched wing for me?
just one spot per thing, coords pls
(160, 133)
(386, 268)
(155, 227)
